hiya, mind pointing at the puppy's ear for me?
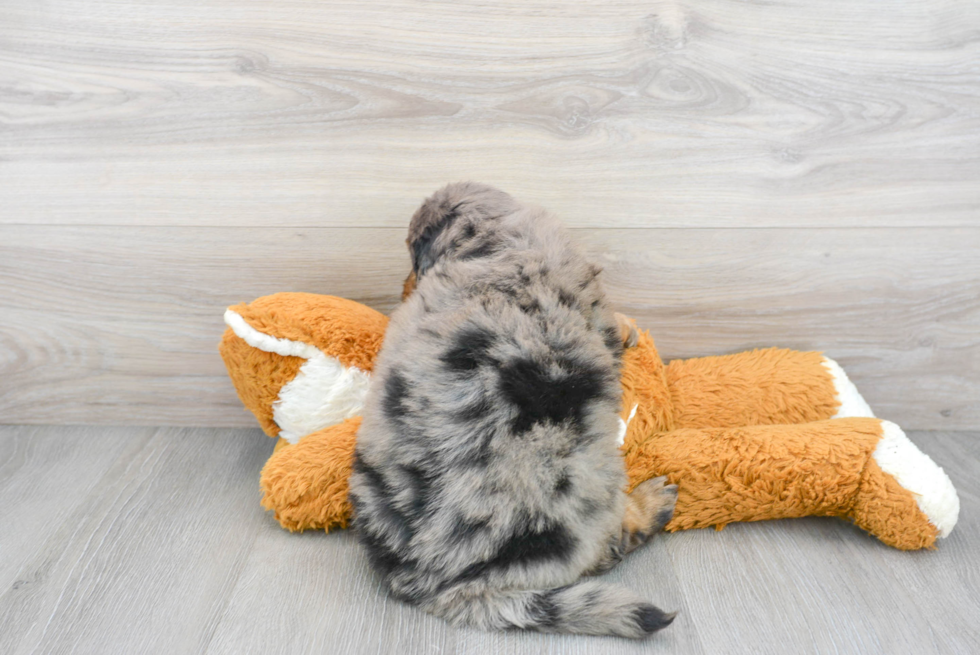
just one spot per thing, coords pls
(427, 238)
(433, 218)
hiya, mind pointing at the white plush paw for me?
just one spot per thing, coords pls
(851, 401)
(914, 470)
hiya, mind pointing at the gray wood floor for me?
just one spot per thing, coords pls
(151, 540)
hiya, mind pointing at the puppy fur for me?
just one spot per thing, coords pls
(487, 479)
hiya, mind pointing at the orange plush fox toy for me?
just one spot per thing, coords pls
(759, 435)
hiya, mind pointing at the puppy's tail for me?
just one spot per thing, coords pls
(587, 607)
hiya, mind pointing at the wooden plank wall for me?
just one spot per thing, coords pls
(792, 173)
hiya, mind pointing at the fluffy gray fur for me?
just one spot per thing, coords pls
(487, 478)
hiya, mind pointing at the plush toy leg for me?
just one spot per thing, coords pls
(761, 387)
(306, 483)
(862, 469)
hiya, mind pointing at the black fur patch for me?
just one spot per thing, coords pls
(422, 256)
(553, 542)
(465, 530)
(506, 288)
(395, 394)
(485, 249)
(385, 516)
(664, 516)
(469, 350)
(541, 396)
(567, 299)
(613, 339)
(526, 547)
(591, 599)
(650, 619)
(362, 467)
(543, 610)
(563, 485)
(382, 558)
(592, 274)
(423, 491)
(477, 410)
(530, 306)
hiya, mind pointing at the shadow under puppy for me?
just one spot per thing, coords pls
(488, 478)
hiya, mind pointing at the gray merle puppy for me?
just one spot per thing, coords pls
(488, 479)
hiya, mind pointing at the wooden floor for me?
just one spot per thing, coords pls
(151, 540)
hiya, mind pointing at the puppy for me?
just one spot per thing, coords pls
(487, 478)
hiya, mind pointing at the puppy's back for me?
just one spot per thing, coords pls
(487, 461)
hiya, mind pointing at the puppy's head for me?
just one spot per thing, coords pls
(453, 215)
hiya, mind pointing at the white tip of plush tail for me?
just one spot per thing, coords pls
(914, 470)
(896, 455)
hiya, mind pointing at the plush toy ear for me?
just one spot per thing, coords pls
(301, 362)
(258, 376)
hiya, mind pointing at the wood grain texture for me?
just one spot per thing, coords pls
(146, 559)
(120, 325)
(44, 477)
(752, 174)
(627, 113)
(160, 546)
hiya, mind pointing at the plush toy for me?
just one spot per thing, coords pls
(758, 435)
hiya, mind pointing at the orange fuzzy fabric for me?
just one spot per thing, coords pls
(258, 377)
(306, 483)
(644, 380)
(888, 511)
(756, 473)
(341, 328)
(761, 387)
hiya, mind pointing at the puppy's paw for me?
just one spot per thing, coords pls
(649, 507)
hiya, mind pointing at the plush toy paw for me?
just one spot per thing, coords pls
(649, 507)
(904, 498)
(305, 483)
(861, 469)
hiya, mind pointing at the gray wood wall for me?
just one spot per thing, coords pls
(803, 174)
